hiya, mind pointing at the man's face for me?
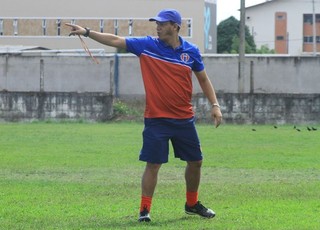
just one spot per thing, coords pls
(165, 30)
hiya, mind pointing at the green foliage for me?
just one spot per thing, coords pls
(87, 176)
(228, 37)
(236, 44)
(122, 111)
(264, 49)
(120, 108)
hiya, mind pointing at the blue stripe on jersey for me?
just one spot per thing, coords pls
(187, 54)
(170, 60)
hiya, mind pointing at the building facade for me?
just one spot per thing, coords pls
(41, 22)
(287, 26)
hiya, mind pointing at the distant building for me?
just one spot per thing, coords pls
(287, 26)
(41, 22)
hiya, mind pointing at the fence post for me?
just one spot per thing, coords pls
(251, 78)
(111, 77)
(41, 75)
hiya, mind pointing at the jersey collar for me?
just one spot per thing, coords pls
(168, 46)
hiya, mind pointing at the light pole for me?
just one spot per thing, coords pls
(242, 48)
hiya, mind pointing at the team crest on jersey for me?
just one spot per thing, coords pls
(184, 57)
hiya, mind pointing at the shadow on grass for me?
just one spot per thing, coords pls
(132, 223)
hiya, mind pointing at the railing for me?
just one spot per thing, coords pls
(54, 27)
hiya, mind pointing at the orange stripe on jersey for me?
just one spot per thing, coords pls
(168, 87)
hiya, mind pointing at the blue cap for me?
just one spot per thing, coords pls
(168, 15)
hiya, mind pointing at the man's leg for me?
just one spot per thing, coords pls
(192, 176)
(149, 179)
(148, 185)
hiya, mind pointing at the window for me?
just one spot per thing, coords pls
(280, 17)
(1, 26)
(58, 22)
(307, 18)
(101, 25)
(308, 39)
(130, 27)
(44, 27)
(116, 26)
(280, 38)
(189, 25)
(15, 27)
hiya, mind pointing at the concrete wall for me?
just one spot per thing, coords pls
(19, 73)
(236, 108)
(263, 74)
(17, 106)
(262, 108)
(277, 89)
(266, 74)
(55, 87)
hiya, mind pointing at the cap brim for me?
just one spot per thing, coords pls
(158, 19)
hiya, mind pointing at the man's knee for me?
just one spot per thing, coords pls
(153, 167)
(195, 164)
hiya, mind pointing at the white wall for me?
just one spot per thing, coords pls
(262, 20)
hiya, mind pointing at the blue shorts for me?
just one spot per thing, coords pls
(182, 134)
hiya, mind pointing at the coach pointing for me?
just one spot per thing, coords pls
(167, 63)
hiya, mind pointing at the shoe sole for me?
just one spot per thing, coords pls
(145, 219)
(193, 213)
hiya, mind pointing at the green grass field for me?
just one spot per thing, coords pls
(87, 176)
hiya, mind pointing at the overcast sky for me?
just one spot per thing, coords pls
(227, 8)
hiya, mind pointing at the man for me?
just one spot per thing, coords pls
(167, 63)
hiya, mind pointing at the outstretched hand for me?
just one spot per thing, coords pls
(75, 29)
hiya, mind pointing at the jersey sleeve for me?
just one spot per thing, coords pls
(136, 45)
(198, 63)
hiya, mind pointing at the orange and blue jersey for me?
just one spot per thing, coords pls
(167, 75)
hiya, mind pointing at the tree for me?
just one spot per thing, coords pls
(264, 49)
(228, 37)
(236, 43)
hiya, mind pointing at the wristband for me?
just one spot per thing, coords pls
(215, 104)
(87, 32)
